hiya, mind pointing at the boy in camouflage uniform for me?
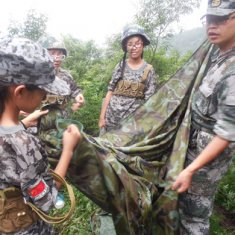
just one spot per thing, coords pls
(58, 52)
(26, 75)
(212, 132)
(58, 106)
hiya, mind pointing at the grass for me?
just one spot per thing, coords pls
(79, 223)
(216, 228)
(222, 221)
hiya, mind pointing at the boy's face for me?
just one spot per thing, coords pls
(27, 99)
(58, 56)
(221, 30)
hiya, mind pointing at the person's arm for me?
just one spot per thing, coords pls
(111, 87)
(151, 84)
(71, 137)
(212, 150)
(79, 102)
(76, 91)
(32, 118)
(104, 108)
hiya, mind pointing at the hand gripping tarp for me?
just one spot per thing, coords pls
(129, 171)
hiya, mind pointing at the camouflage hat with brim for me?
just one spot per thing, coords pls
(134, 30)
(58, 46)
(25, 62)
(220, 7)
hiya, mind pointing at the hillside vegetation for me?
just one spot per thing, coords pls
(92, 66)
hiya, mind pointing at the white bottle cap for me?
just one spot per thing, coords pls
(59, 203)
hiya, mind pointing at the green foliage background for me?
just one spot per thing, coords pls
(91, 68)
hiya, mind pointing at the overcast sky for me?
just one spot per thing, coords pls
(84, 19)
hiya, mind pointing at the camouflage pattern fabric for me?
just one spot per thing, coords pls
(214, 104)
(196, 205)
(48, 132)
(59, 107)
(38, 228)
(134, 30)
(23, 161)
(220, 7)
(25, 62)
(213, 112)
(34, 64)
(23, 164)
(122, 106)
(66, 77)
(128, 172)
(51, 127)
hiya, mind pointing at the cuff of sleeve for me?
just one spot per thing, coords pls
(111, 89)
(226, 132)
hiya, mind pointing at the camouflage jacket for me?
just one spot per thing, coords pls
(121, 106)
(67, 77)
(63, 101)
(24, 164)
(214, 102)
(59, 107)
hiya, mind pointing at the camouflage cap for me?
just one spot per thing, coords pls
(58, 46)
(25, 62)
(134, 30)
(220, 7)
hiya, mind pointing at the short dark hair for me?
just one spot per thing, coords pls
(4, 95)
(32, 87)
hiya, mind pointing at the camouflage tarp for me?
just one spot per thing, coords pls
(129, 171)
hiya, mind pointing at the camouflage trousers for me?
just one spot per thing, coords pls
(196, 205)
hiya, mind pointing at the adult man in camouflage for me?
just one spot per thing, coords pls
(212, 132)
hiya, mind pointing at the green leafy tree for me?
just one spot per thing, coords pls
(81, 57)
(156, 16)
(33, 27)
(87, 65)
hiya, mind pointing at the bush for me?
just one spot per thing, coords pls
(226, 192)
